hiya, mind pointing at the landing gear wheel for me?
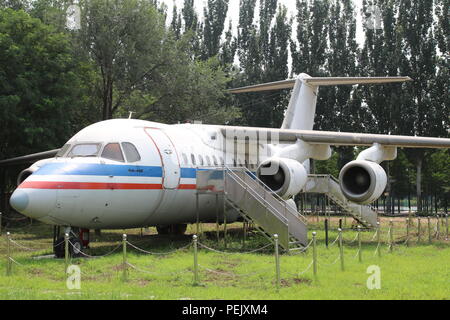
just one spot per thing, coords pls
(75, 247)
(173, 229)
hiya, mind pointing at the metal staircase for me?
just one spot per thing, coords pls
(328, 185)
(258, 204)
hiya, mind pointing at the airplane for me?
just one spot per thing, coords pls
(130, 173)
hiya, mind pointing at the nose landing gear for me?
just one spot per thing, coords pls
(78, 240)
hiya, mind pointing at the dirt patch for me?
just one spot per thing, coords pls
(285, 283)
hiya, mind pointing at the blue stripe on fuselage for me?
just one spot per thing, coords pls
(94, 169)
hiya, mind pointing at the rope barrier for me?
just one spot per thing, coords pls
(159, 253)
(218, 272)
(329, 264)
(24, 247)
(356, 237)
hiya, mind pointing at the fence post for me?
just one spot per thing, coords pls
(314, 254)
(66, 251)
(407, 232)
(8, 254)
(378, 239)
(419, 230)
(429, 230)
(391, 235)
(359, 244)
(438, 228)
(277, 262)
(125, 263)
(446, 226)
(326, 232)
(341, 249)
(0, 223)
(195, 240)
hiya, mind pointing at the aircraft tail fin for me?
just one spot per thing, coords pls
(302, 106)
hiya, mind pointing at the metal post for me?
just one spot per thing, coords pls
(341, 249)
(407, 232)
(217, 218)
(419, 230)
(198, 213)
(326, 232)
(8, 254)
(277, 261)
(379, 239)
(438, 229)
(0, 223)
(446, 227)
(225, 231)
(195, 240)
(429, 230)
(66, 250)
(314, 234)
(244, 230)
(391, 236)
(125, 263)
(359, 244)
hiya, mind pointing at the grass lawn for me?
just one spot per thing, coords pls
(420, 271)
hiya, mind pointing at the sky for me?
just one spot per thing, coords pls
(233, 11)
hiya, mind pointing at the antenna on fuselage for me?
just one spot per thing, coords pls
(131, 114)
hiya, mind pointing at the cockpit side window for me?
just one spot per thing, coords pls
(112, 151)
(131, 152)
(85, 150)
(63, 150)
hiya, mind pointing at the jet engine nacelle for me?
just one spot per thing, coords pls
(362, 182)
(286, 177)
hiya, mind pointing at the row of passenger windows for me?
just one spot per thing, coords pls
(112, 151)
(213, 161)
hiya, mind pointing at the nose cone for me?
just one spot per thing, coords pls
(34, 203)
(19, 200)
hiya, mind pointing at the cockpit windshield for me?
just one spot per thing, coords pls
(85, 150)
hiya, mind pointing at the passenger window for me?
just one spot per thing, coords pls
(221, 161)
(200, 159)
(193, 159)
(185, 159)
(215, 160)
(130, 152)
(208, 161)
(112, 151)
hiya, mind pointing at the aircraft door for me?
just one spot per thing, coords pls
(169, 157)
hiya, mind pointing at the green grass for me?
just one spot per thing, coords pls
(421, 271)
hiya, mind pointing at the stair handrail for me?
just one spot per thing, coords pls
(268, 191)
(255, 194)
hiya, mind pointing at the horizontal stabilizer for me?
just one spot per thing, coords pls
(320, 81)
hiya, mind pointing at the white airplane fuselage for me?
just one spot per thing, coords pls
(95, 192)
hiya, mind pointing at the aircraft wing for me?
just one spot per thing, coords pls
(31, 158)
(288, 136)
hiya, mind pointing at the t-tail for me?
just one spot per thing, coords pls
(302, 106)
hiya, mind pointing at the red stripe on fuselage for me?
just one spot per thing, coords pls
(96, 185)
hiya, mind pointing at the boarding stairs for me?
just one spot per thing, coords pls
(268, 212)
(329, 185)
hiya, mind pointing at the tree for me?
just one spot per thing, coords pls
(215, 13)
(40, 85)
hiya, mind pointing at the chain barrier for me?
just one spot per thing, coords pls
(302, 250)
(329, 264)
(24, 247)
(356, 237)
(334, 242)
(159, 253)
(94, 257)
(229, 253)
